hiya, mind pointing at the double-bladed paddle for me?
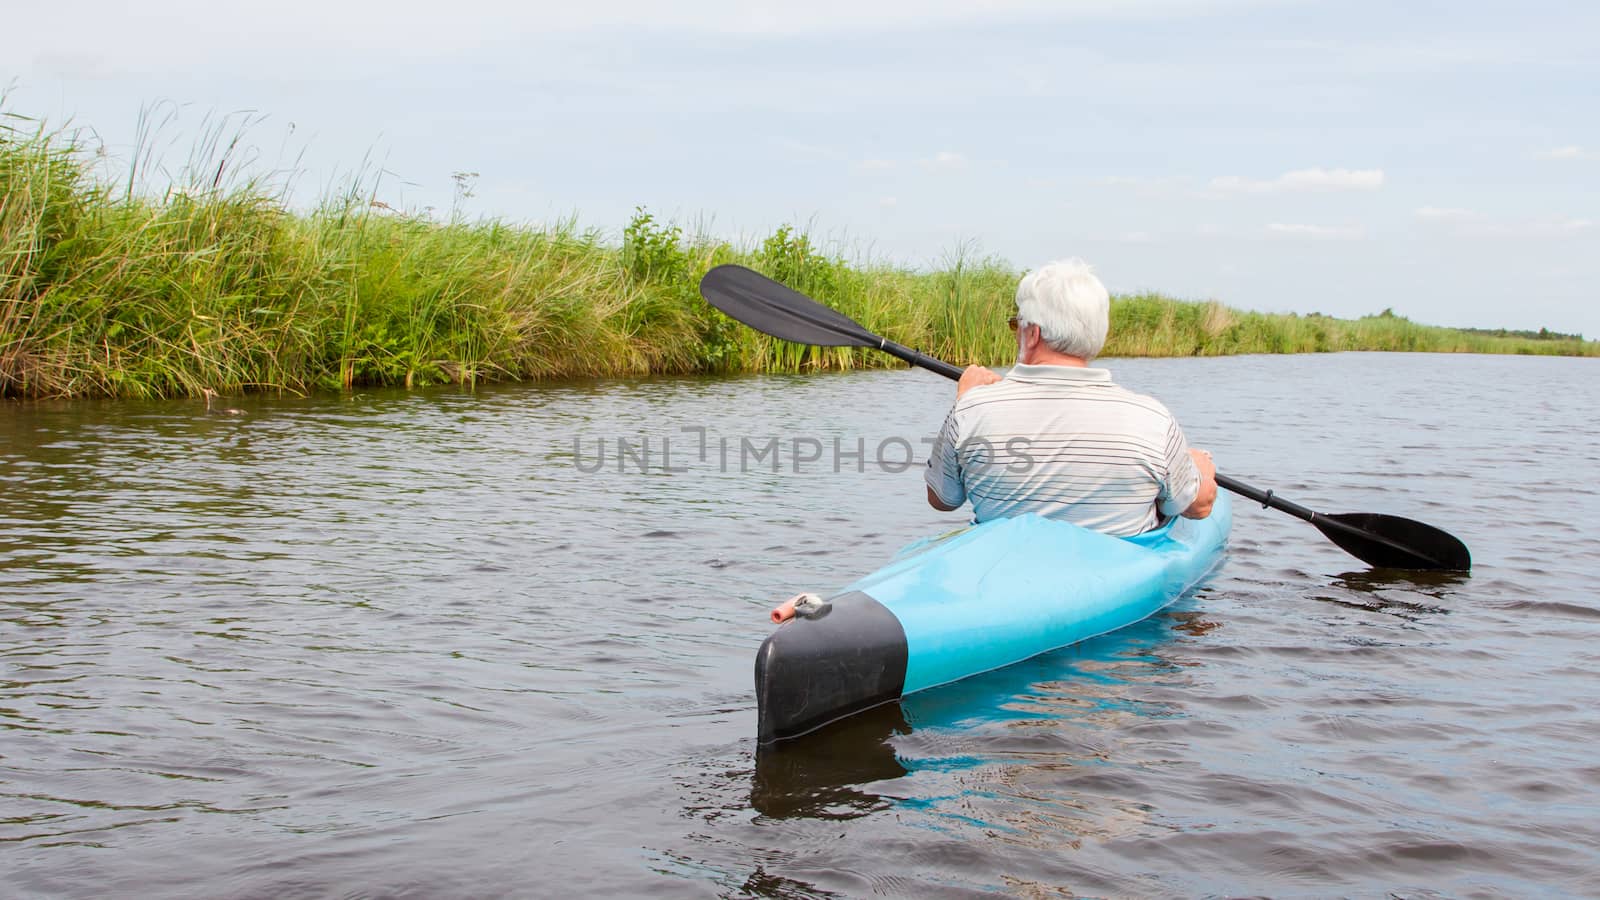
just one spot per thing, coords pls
(772, 308)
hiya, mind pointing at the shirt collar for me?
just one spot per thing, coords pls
(1055, 374)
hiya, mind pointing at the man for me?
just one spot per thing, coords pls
(1057, 437)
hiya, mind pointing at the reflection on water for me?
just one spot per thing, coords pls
(397, 643)
(1438, 585)
(1409, 595)
(821, 775)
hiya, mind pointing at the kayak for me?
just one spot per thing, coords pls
(972, 601)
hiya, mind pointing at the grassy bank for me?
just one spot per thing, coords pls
(110, 290)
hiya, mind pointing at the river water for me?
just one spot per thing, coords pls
(399, 644)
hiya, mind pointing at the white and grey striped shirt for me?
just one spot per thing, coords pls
(1066, 443)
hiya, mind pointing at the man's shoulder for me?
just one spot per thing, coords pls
(1004, 390)
(1009, 391)
(1144, 400)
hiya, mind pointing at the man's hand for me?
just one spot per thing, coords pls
(1201, 507)
(975, 376)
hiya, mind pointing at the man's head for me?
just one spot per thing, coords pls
(1070, 306)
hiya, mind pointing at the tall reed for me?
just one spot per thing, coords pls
(216, 282)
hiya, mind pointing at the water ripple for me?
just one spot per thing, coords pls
(400, 644)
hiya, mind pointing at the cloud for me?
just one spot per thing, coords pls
(76, 65)
(1569, 152)
(887, 202)
(1470, 223)
(804, 150)
(1446, 214)
(174, 26)
(1534, 228)
(1302, 180)
(1318, 232)
(944, 161)
(1404, 55)
(1145, 187)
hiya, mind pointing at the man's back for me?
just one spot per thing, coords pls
(1067, 443)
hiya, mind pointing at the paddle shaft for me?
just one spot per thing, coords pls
(921, 359)
(1266, 498)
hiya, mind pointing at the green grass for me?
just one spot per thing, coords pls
(106, 290)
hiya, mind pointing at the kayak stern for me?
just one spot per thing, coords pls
(814, 670)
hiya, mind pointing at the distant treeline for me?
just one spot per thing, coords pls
(1543, 334)
(216, 283)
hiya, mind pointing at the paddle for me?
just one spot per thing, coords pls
(772, 308)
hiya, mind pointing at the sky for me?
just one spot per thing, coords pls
(1441, 159)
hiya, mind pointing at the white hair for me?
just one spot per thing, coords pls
(1070, 306)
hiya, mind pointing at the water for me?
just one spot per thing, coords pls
(402, 644)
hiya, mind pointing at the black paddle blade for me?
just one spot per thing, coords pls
(1395, 543)
(773, 308)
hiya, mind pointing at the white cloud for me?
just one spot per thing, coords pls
(944, 161)
(1470, 223)
(1403, 55)
(1146, 187)
(1446, 214)
(1318, 232)
(1302, 180)
(1120, 181)
(804, 150)
(1569, 152)
(887, 202)
(188, 30)
(1535, 228)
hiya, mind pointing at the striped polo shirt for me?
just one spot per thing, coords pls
(1068, 444)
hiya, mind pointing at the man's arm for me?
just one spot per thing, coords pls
(946, 492)
(1207, 495)
(1189, 485)
(943, 461)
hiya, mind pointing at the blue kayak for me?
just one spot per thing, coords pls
(981, 598)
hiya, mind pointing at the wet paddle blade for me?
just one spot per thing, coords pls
(773, 308)
(1395, 543)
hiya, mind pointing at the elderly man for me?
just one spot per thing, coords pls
(1057, 437)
